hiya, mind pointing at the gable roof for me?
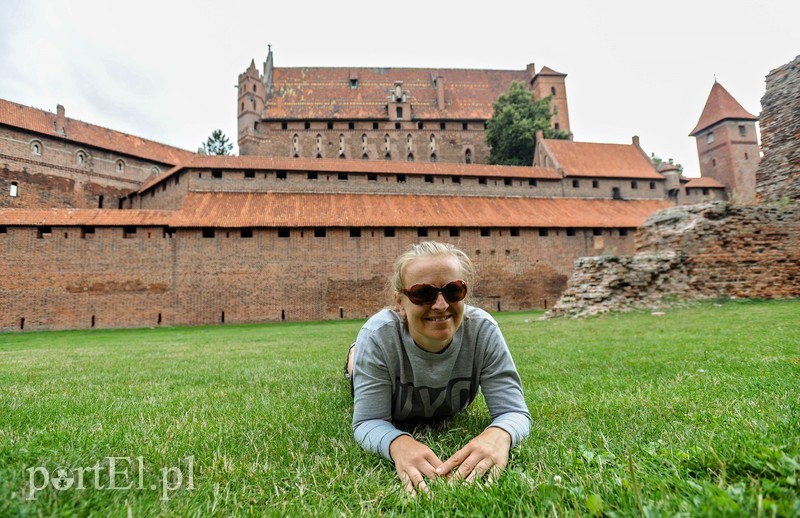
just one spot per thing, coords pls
(589, 159)
(371, 210)
(304, 210)
(326, 93)
(704, 181)
(720, 106)
(262, 163)
(45, 123)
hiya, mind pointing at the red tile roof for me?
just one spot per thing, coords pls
(233, 210)
(704, 181)
(720, 106)
(84, 217)
(369, 210)
(242, 163)
(326, 93)
(43, 122)
(587, 159)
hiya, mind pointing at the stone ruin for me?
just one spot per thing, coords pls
(713, 250)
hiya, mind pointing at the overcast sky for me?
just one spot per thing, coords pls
(167, 70)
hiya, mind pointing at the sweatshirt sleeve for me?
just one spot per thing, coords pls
(502, 388)
(372, 404)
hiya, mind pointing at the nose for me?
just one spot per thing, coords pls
(439, 303)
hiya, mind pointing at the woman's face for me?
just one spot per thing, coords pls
(432, 326)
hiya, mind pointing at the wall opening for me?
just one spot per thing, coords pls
(22, 323)
(13, 191)
(159, 319)
(222, 318)
(283, 314)
(92, 320)
(341, 312)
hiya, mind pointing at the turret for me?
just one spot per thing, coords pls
(251, 101)
(727, 146)
(552, 83)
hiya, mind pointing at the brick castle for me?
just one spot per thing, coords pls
(340, 170)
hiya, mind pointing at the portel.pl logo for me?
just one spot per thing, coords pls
(112, 474)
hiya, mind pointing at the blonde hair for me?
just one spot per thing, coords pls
(429, 249)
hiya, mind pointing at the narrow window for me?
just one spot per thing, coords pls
(597, 232)
(397, 126)
(420, 125)
(365, 157)
(442, 125)
(120, 166)
(3, 230)
(705, 191)
(208, 233)
(319, 232)
(615, 194)
(508, 181)
(13, 190)
(342, 176)
(571, 232)
(410, 157)
(746, 157)
(86, 231)
(456, 179)
(514, 232)
(353, 82)
(372, 177)
(351, 125)
(280, 175)
(482, 180)
(249, 174)
(595, 184)
(542, 232)
(710, 137)
(246, 233)
(464, 126)
(399, 112)
(307, 125)
(576, 184)
(433, 158)
(313, 175)
(80, 158)
(128, 232)
(428, 178)
(742, 130)
(557, 126)
(532, 182)
(485, 232)
(388, 156)
(401, 178)
(422, 232)
(468, 156)
(283, 232)
(652, 185)
(455, 232)
(284, 125)
(553, 91)
(374, 125)
(713, 162)
(634, 185)
(623, 232)
(355, 232)
(330, 125)
(388, 232)
(42, 232)
(216, 174)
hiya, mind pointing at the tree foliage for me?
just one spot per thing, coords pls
(511, 132)
(657, 162)
(217, 144)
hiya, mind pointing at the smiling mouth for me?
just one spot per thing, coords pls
(438, 319)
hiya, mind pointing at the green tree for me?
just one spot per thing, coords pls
(511, 132)
(657, 162)
(217, 144)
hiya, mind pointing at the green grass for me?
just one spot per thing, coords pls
(696, 412)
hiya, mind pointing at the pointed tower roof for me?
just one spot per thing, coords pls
(547, 71)
(720, 106)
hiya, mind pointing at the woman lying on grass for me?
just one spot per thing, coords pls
(425, 360)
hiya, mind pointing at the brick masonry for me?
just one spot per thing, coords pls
(706, 251)
(778, 176)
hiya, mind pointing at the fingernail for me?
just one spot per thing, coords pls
(439, 471)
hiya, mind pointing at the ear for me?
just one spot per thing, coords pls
(396, 297)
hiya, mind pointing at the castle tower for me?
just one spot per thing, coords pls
(727, 146)
(250, 103)
(552, 83)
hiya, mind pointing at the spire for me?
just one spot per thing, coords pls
(720, 106)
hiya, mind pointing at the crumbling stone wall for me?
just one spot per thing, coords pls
(706, 251)
(778, 175)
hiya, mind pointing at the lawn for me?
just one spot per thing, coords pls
(695, 412)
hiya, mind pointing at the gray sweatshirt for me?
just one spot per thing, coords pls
(395, 381)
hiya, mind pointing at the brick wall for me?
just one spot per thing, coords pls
(52, 172)
(778, 175)
(704, 251)
(74, 279)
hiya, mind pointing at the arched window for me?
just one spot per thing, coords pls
(468, 156)
(364, 141)
(388, 156)
(365, 157)
(120, 166)
(36, 148)
(410, 157)
(155, 171)
(295, 148)
(433, 143)
(13, 191)
(319, 145)
(433, 157)
(341, 145)
(386, 143)
(409, 142)
(80, 158)
(553, 91)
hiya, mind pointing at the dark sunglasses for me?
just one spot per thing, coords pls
(425, 294)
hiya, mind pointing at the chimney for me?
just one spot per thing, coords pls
(440, 92)
(531, 72)
(635, 141)
(60, 125)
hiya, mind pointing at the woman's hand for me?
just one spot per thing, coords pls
(413, 462)
(488, 452)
